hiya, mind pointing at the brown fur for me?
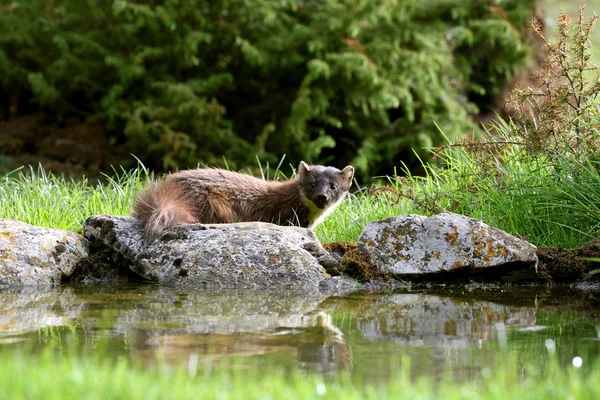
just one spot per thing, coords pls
(208, 195)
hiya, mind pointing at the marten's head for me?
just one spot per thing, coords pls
(324, 186)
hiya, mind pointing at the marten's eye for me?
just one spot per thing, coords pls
(313, 185)
(333, 186)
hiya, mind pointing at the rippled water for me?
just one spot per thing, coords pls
(440, 329)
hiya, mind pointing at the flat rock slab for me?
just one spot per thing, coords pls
(417, 245)
(219, 255)
(33, 255)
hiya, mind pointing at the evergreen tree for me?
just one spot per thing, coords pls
(182, 82)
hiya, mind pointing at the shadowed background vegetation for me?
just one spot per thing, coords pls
(182, 82)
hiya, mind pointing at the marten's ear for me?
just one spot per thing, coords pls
(348, 174)
(303, 169)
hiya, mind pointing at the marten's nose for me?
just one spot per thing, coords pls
(321, 199)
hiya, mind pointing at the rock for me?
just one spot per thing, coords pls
(252, 254)
(416, 245)
(32, 255)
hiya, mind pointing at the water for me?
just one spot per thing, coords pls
(458, 330)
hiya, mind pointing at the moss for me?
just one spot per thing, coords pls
(568, 265)
(355, 265)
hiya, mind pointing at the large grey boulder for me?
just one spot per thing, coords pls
(32, 255)
(417, 245)
(222, 255)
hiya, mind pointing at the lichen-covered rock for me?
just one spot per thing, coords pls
(32, 255)
(222, 255)
(413, 244)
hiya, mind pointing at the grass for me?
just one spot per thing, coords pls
(49, 376)
(549, 204)
(41, 198)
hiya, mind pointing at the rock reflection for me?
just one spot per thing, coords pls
(438, 333)
(152, 324)
(28, 309)
(311, 340)
(453, 329)
(426, 320)
(234, 324)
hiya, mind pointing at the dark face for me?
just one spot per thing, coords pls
(324, 185)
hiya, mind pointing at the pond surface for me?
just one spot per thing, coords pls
(440, 329)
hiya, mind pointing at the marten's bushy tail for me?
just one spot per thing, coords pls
(161, 207)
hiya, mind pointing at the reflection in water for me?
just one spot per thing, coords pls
(310, 339)
(439, 333)
(426, 320)
(369, 334)
(25, 310)
(164, 324)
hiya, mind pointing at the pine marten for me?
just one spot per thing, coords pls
(207, 195)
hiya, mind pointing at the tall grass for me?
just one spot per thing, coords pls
(51, 377)
(359, 209)
(547, 203)
(40, 198)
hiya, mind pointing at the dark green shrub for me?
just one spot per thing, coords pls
(187, 81)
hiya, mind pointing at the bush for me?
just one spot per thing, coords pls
(561, 115)
(538, 174)
(187, 81)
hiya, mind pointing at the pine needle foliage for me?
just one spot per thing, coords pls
(188, 81)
